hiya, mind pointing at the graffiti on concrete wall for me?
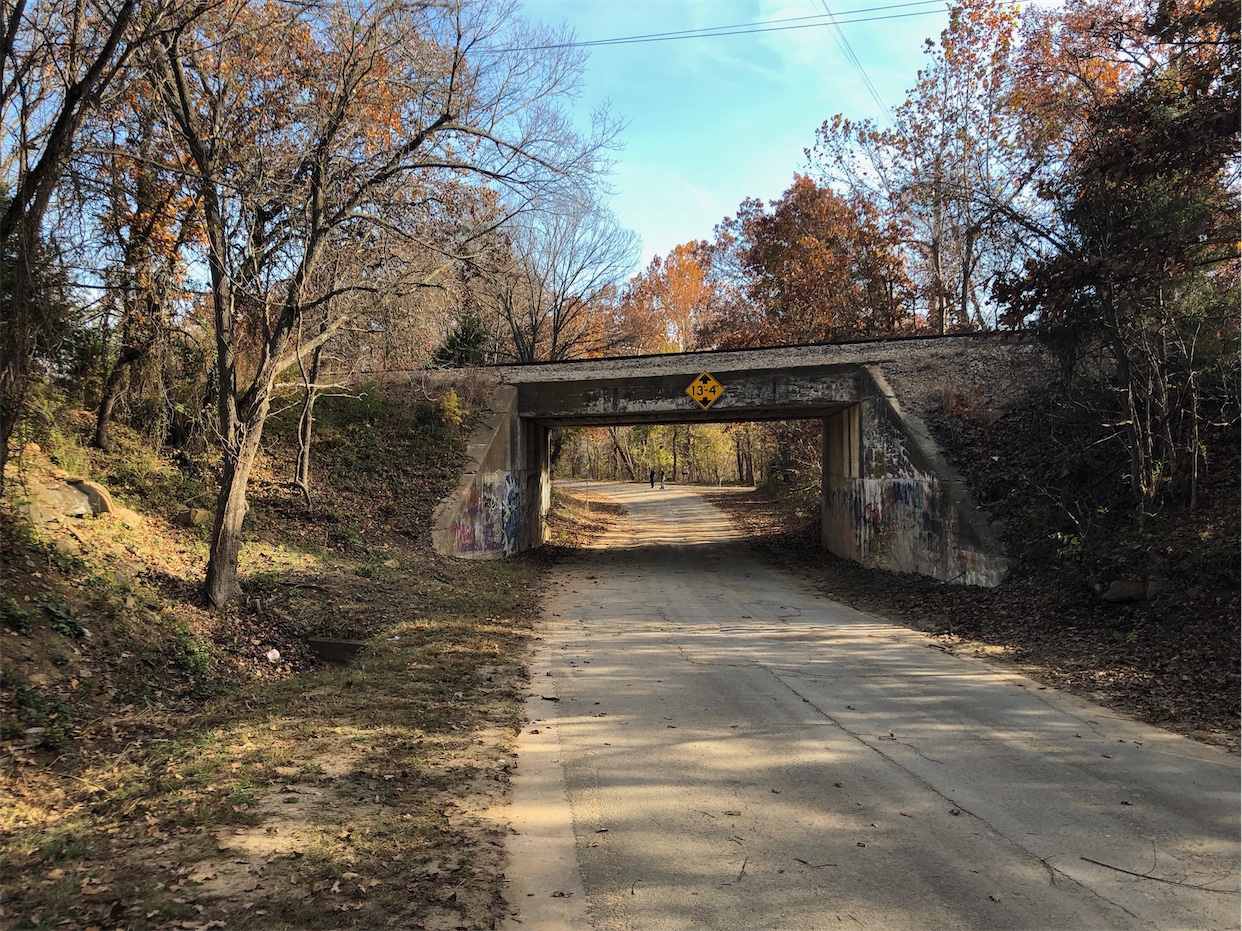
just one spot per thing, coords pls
(492, 516)
(473, 528)
(510, 514)
(881, 509)
(899, 513)
(908, 524)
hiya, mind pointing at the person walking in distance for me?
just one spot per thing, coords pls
(651, 475)
(661, 480)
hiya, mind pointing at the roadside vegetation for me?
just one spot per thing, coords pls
(171, 765)
(198, 256)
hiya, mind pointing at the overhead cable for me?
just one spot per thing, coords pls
(844, 44)
(741, 29)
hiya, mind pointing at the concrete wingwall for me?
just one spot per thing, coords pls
(891, 500)
(501, 503)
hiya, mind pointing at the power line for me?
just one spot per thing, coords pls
(844, 44)
(742, 29)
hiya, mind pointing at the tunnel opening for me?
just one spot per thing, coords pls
(783, 454)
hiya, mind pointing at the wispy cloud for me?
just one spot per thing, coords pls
(716, 120)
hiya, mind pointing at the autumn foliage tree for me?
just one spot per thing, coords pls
(148, 220)
(1076, 170)
(1138, 254)
(823, 267)
(664, 306)
(307, 126)
(815, 267)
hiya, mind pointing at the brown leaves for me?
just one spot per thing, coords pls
(821, 266)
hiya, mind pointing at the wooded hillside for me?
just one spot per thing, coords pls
(213, 211)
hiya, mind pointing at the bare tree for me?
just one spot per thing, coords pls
(130, 182)
(394, 324)
(307, 124)
(60, 58)
(568, 255)
(948, 170)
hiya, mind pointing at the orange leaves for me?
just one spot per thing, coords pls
(666, 303)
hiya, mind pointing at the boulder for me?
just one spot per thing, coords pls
(131, 519)
(49, 503)
(128, 571)
(195, 517)
(1126, 590)
(67, 546)
(67, 497)
(101, 501)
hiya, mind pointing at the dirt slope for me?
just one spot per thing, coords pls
(177, 767)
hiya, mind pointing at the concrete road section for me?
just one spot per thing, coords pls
(741, 752)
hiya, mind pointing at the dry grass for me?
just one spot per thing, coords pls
(577, 517)
(192, 783)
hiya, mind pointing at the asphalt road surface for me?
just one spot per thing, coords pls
(714, 744)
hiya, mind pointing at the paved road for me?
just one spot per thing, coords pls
(741, 752)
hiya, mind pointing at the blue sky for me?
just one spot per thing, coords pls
(712, 121)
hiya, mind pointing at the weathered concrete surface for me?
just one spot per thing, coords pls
(890, 498)
(925, 364)
(783, 393)
(742, 752)
(545, 884)
(502, 500)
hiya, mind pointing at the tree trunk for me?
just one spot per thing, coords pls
(12, 402)
(18, 328)
(306, 424)
(623, 454)
(1194, 441)
(112, 391)
(750, 459)
(1138, 439)
(103, 417)
(555, 444)
(222, 586)
(942, 305)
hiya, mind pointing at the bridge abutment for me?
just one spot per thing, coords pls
(892, 501)
(501, 503)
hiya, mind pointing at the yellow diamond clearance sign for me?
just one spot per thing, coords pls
(704, 390)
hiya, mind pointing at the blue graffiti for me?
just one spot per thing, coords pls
(511, 516)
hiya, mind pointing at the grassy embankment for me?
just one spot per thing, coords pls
(161, 771)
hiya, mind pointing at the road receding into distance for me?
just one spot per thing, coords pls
(714, 744)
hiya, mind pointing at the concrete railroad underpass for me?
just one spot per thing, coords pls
(890, 497)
